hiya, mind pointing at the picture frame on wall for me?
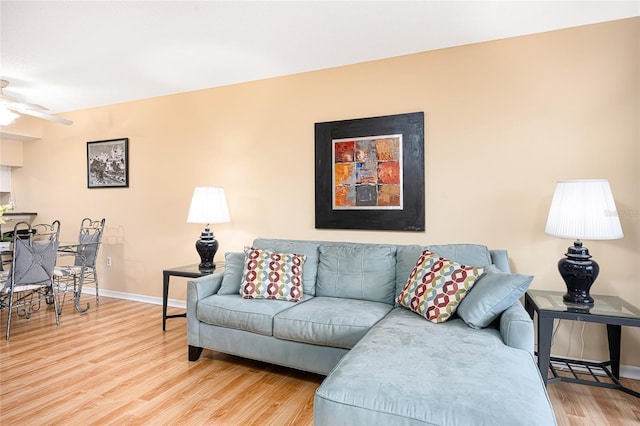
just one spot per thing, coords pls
(369, 173)
(108, 163)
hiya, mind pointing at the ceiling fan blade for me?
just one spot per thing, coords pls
(19, 106)
(34, 110)
(23, 106)
(42, 115)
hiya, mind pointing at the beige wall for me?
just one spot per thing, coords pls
(503, 121)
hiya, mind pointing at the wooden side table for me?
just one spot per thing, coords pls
(609, 310)
(187, 271)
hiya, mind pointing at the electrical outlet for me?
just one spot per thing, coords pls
(108, 260)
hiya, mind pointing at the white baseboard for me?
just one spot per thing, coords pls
(630, 372)
(136, 297)
(626, 371)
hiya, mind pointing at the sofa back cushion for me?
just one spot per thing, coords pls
(468, 254)
(437, 285)
(357, 271)
(272, 275)
(407, 256)
(308, 248)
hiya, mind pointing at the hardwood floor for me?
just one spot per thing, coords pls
(588, 405)
(114, 365)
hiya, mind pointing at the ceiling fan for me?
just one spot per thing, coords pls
(10, 109)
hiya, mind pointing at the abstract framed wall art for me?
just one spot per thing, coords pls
(370, 173)
(367, 173)
(108, 163)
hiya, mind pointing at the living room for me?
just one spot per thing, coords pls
(504, 120)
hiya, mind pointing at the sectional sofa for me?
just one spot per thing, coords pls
(343, 314)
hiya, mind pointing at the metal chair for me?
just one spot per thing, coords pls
(30, 279)
(72, 277)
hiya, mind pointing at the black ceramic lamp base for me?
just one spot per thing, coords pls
(207, 246)
(578, 272)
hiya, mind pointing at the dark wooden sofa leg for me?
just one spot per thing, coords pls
(194, 353)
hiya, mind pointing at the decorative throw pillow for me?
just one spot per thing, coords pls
(308, 248)
(436, 286)
(232, 274)
(272, 275)
(494, 292)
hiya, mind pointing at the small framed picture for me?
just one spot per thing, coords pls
(108, 163)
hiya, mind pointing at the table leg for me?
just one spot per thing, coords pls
(165, 297)
(528, 306)
(613, 334)
(545, 332)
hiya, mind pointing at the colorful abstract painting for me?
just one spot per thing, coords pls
(367, 173)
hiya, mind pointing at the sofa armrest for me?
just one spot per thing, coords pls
(516, 328)
(198, 289)
(206, 285)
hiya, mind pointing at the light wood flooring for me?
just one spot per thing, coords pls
(114, 365)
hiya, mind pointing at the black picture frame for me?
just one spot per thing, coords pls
(108, 163)
(412, 215)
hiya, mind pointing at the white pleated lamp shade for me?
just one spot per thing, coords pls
(208, 205)
(583, 209)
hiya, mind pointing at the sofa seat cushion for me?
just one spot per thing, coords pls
(232, 311)
(329, 321)
(407, 370)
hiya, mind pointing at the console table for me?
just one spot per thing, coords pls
(609, 310)
(187, 271)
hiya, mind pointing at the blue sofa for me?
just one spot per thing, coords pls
(384, 364)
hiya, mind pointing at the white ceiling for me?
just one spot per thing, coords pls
(69, 55)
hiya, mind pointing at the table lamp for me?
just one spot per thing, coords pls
(582, 209)
(208, 205)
